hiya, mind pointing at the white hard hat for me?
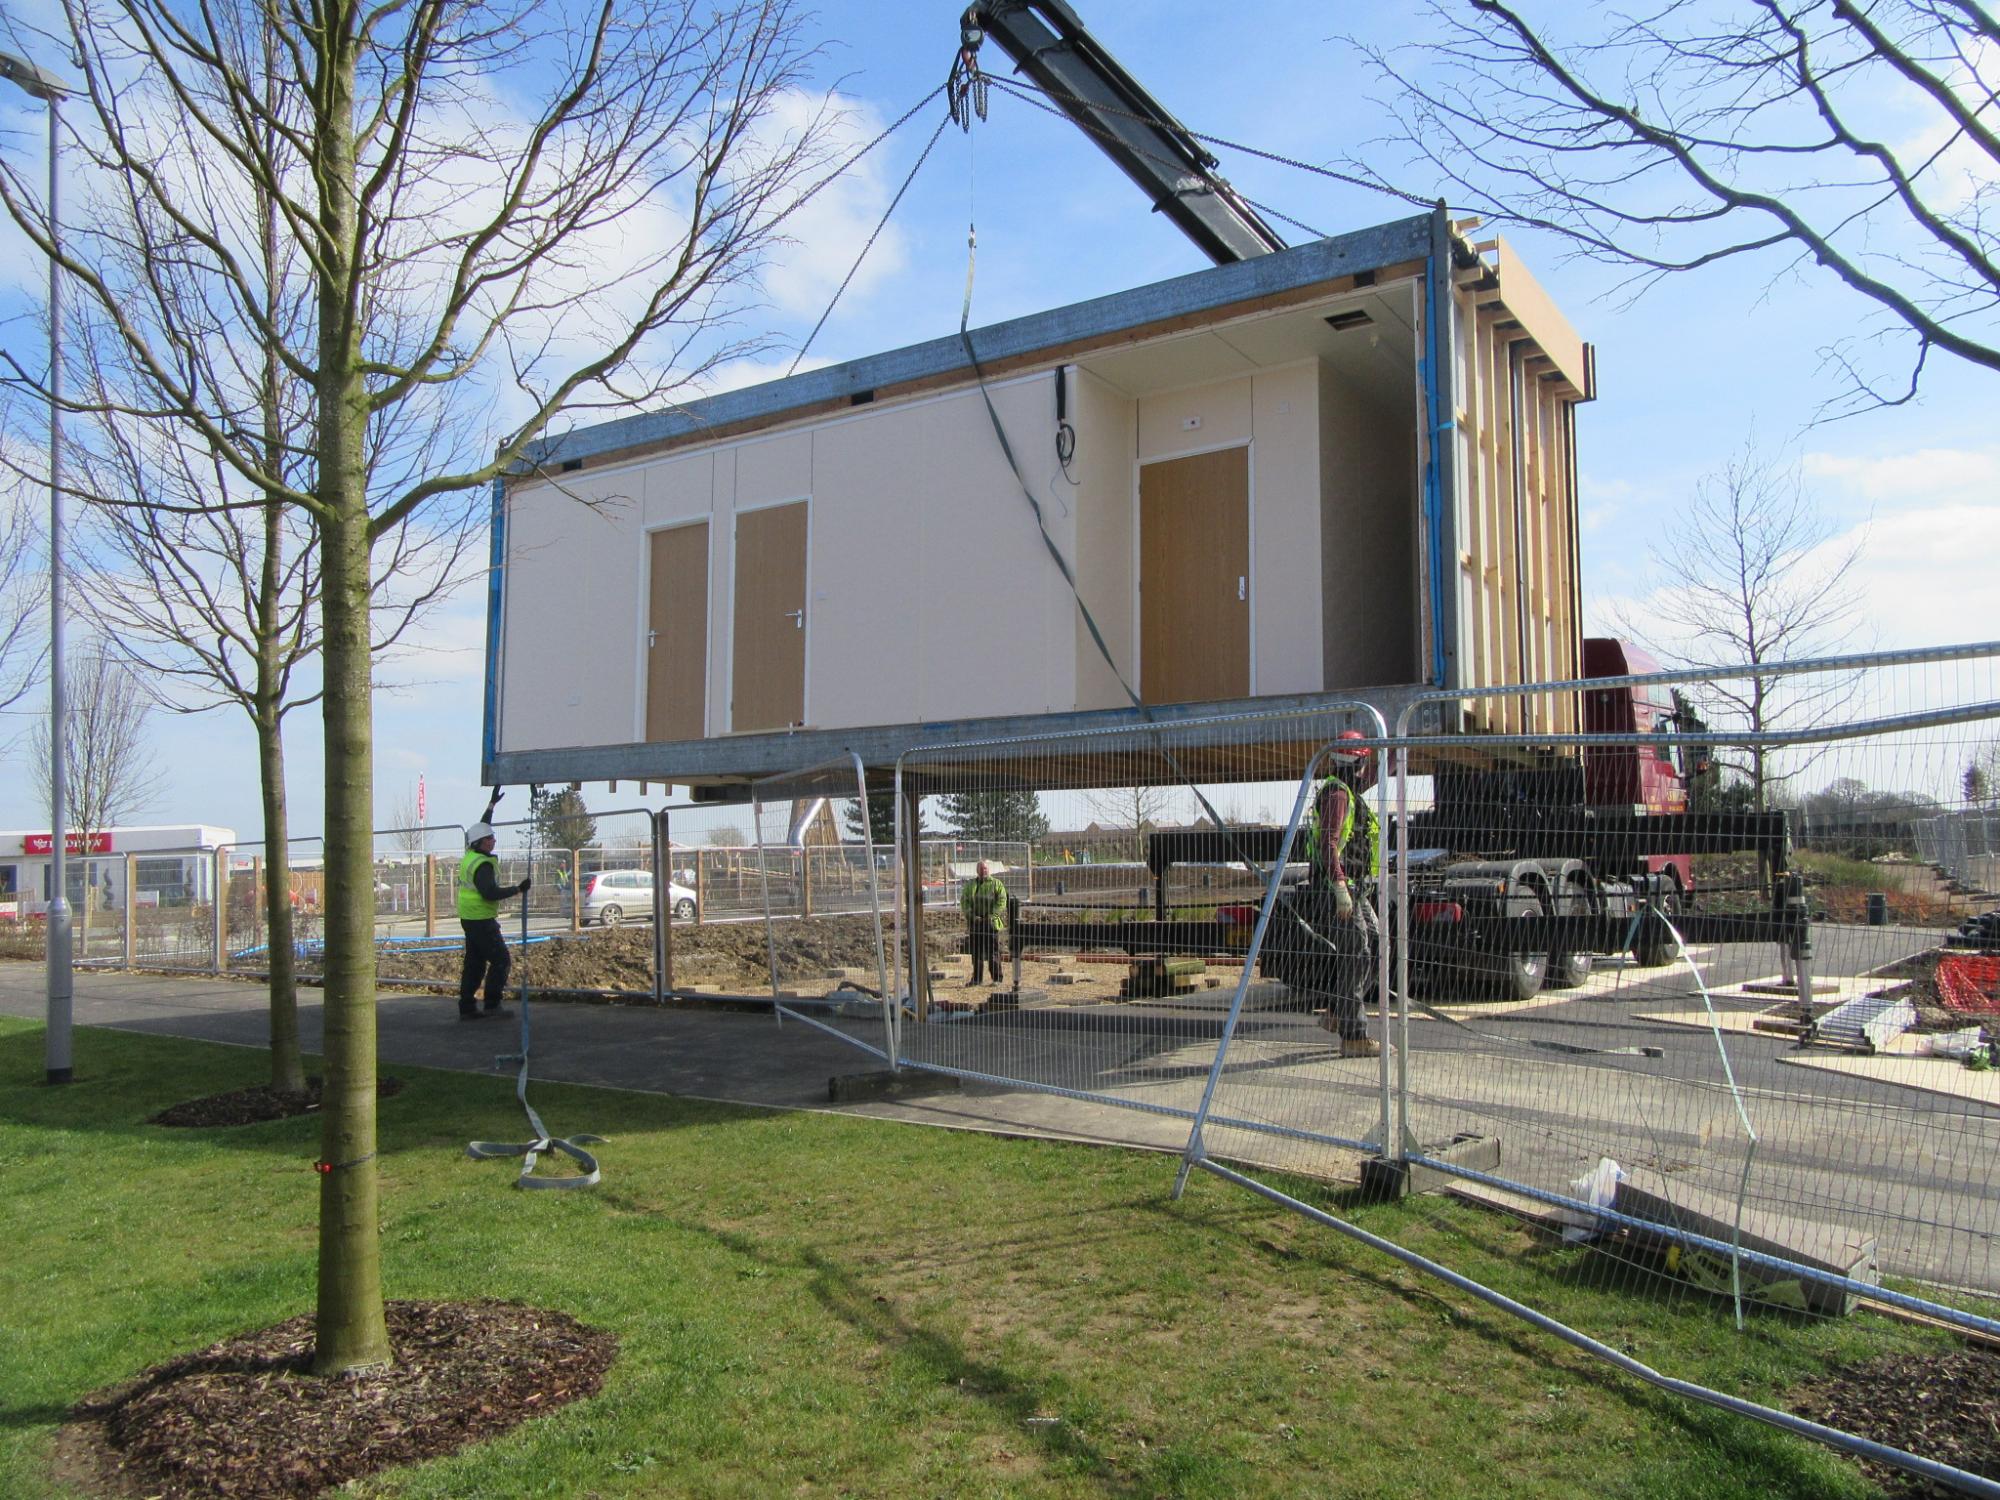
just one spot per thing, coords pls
(477, 832)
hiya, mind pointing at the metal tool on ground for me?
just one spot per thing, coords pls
(530, 1152)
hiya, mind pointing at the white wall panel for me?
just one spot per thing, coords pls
(987, 622)
(1106, 425)
(773, 469)
(866, 540)
(1285, 531)
(571, 646)
(680, 488)
(1219, 414)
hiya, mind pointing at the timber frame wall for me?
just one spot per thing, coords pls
(1520, 373)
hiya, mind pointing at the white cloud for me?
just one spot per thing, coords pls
(1922, 577)
(736, 374)
(829, 231)
(1930, 474)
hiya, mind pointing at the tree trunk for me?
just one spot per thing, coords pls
(351, 1331)
(287, 1069)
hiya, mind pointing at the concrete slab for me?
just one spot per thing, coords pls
(1930, 1075)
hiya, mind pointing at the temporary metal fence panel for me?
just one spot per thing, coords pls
(1116, 973)
(1703, 1013)
(825, 947)
(590, 908)
(156, 909)
(734, 881)
(1749, 1072)
(1964, 846)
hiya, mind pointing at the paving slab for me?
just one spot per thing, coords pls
(1932, 1075)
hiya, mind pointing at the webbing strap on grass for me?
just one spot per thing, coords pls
(531, 1151)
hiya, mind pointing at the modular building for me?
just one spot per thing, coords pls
(1342, 469)
(157, 865)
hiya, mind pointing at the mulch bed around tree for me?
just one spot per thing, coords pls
(1942, 1406)
(246, 1416)
(253, 1106)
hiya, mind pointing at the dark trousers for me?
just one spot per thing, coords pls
(485, 954)
(985, 945)
(1334, 962)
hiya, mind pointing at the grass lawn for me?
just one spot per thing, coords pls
(820, 1305)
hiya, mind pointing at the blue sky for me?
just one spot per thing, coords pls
(1687, 373)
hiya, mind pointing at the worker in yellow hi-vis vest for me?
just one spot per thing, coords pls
(983, 900)
(1323, 940)
(479, 898)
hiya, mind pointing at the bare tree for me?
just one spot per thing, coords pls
(23, 591)
(554, 206)
(1684, 134)
(1747, 574)
(217, 607)
(406, 832)
(1980, 781)
(109, 774)
(1129, 809)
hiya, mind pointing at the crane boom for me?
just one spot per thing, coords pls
(1053, 48)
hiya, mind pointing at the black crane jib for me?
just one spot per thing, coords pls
(1053, 48)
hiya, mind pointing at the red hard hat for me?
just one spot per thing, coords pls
(1352, 752)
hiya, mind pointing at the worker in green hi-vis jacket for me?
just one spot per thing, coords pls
(983, 900)
(479, 898)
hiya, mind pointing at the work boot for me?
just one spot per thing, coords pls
(468, 1015)
(498, 1010)
(1360, 1046)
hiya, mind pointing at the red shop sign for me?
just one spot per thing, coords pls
(41, 843)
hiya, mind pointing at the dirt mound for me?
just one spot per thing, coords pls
(255, 1105)
(246, 1417)
(733, 955)
(1943, 1406)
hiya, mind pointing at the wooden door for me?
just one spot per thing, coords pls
(677, 635)
(768, 671)
(1194, 578)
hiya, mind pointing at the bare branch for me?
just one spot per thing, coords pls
(1688, 134)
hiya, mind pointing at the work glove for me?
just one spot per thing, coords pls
(1343, 901)
(525, 883)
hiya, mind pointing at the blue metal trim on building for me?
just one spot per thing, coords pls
(1439, 472)
(1210, 291)
(489, 734)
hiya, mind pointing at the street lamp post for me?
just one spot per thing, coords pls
(61, 971)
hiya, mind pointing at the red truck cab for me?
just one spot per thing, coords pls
(1639, 777)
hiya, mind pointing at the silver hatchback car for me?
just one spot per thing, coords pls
(614, 896)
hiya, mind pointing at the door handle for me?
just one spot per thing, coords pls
(797, 617)
(1242, 586)
(652, 639)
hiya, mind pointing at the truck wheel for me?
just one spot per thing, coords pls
(1568, 970)
(1654, 945)
(1518, 976)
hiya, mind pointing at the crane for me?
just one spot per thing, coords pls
(1050, 44)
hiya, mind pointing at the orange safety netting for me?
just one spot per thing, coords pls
(1970, 982)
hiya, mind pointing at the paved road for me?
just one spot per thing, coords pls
(1555, 1083)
